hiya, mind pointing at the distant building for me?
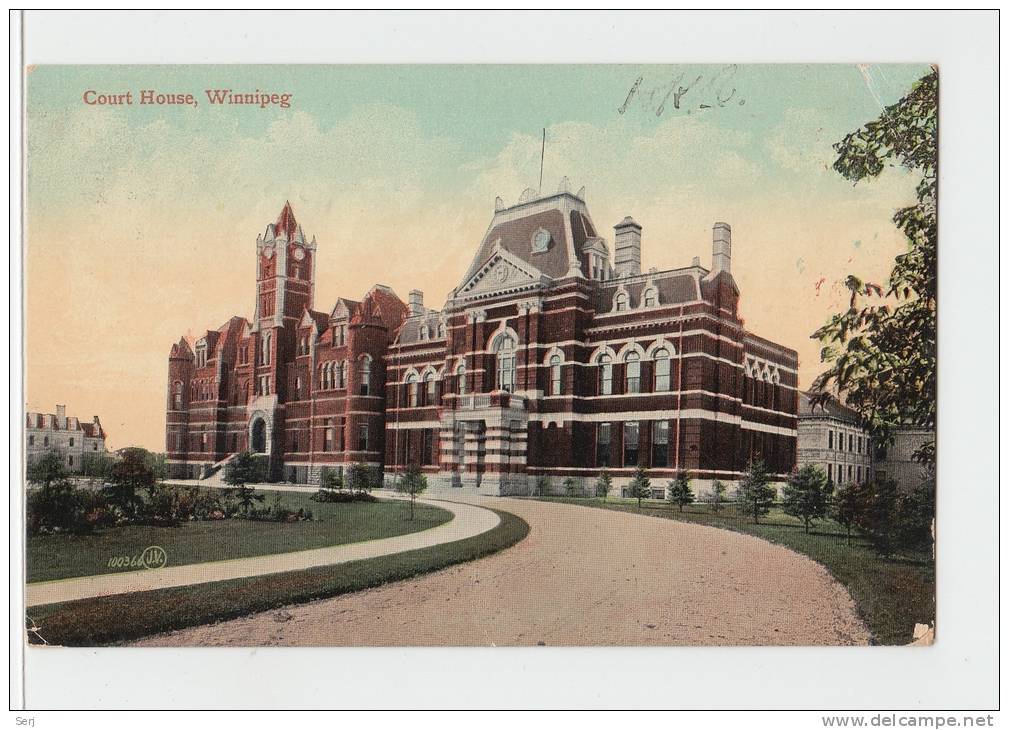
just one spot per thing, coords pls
(830, 437)
(63, 435)
(896, 461)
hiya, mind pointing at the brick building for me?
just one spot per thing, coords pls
(550, 358)
(300, 385)
(69, 437)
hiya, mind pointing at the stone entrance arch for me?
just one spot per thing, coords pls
(259, 435)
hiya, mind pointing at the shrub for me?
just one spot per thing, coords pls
(332, 495)
(716, 496)
(63, 507)
(358, 477)
(755, 494)
(571, 487)
(543, 486)
(46, 469)
(641, 485)
(604, 484)
(680, 492)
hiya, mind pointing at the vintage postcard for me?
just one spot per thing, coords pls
(433, 355)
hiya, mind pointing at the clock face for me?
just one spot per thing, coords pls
(299, 254)
(541, 241)
(268, 252)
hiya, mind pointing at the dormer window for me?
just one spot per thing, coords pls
(441, 331)
(425, 333)
(201, 354)
(620, 302)
(541, 241)
(650, 297)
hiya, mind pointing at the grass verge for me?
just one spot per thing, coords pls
(892, 594)
(117, 619)
(54, 557)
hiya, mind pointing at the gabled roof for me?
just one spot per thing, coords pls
(181, 350)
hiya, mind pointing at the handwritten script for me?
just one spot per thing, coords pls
(685, 92)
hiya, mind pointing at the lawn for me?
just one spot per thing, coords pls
(52, 557)
(892, 594)
(118, 619)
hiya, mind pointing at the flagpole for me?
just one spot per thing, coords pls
(543, 149)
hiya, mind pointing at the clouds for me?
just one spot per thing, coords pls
(141, 226)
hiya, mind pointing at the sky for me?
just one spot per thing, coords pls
(141, 220)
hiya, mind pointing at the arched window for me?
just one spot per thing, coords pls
(651, 297)
(661, 358)
(177, 395)
(460, 379)
(425, 333)
(555, 375)
(620, 302)
(504, 346)
(341, 375)
(605, 375)
(411, 389)
(429, 389)
(632, 376)
(441, 330)
(365, 373)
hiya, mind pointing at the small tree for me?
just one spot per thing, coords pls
(848, 506)
(604, 484)
(641, 485)
(413, 483)
(358, 477)
(543, 485)
(755, 494)
(570, 487)
(128, 475)
(46, 469)
(716, 496)
(806, 495)
(332, 480)
(879, 515)
(239, 472)
(680, 492)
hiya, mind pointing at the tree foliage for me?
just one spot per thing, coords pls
(807, 495)
(848, 505)
(641, 485)
(755, 494)
(46, 469)
(604, 484)
(127, 476)
(242, 470)
(881, 352)
(680, 492)
(716, 496)
(413, 483)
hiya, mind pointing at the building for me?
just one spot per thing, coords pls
(831, 438)
(64, 435)
(302, 386)
(896, 461)
(549, 359)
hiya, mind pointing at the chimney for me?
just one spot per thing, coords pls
(721, 248)
(627, 248)
(61, 416)
(416, 302)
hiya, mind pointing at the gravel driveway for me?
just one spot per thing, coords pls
(582, 577)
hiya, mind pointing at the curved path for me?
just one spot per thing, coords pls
(468, 520)
(583, 576)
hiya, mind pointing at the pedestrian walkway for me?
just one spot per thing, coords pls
(467, 521)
